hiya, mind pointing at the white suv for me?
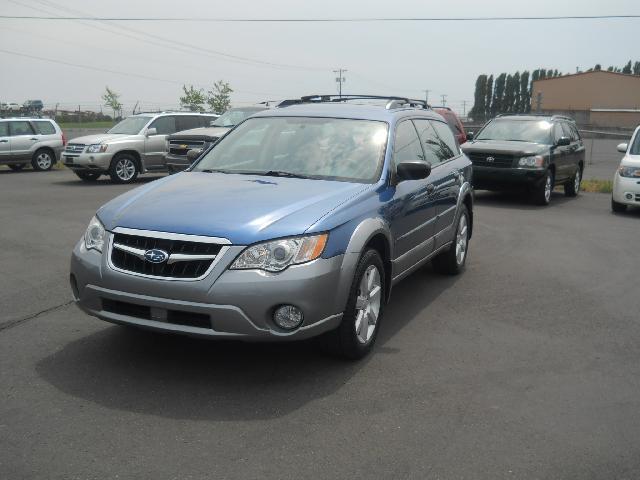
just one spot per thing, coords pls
(626, 181)
(135, 145)
(38, 141)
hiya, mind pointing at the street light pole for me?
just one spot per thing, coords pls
(340, 79)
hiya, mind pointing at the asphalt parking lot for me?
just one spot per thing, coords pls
(526, 366)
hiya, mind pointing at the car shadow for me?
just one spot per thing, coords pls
(104, 181)
(516, 200)
(188, 378)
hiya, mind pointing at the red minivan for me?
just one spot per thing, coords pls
(454, 123)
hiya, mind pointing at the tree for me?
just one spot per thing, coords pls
(525, 93)
(636, 68)
(517, 97)
(193, 99)
(498, 94)
(479, 98)
(488, 97)
(627, 68)
(111, 100)
(509, 95)
(219, 98)
(598, 67)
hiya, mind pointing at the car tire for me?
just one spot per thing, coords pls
(42, 160)
(453, 260)
(618, 207)
(572, 187)
(124, 168)
(16, 167)
(356, 335)
(541, 195)
(89, 177)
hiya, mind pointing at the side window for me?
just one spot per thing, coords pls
(187, 122)
(448, 143)
(4, 129)
(557, 131)
(165, 125)
(407, 144)
(568, 132)
(20, 128)
(430, 141)
(44, 128)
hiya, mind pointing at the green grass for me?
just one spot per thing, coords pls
(597, 186)
(103, 124)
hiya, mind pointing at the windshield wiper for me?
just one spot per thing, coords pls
(280, 173)
(213, 170)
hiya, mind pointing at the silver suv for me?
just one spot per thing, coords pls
(38, 141)
(133, 146)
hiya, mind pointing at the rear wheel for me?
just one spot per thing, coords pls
(124, 169)
(452, 261)
(42, 160)
(88, 176)
(572, 187)
(16, 167)
(618, 207)
(357, 333)
(541, 195)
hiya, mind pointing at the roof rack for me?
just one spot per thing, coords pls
(392, 101)
(564, 117)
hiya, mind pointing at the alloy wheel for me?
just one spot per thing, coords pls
(462, 239)
(368, 304)
(576, 185)
(125, 169)
(44, 161)
(547, 189)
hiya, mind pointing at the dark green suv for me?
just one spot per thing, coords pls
(528, 152)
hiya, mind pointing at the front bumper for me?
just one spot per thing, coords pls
(235, 304)
(88, 161)
(505, 178)
(626, 190)
(176, 162)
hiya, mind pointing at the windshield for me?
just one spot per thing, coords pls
(320, 148)
(635, 148)
(234, 117)
(130, 125)
(533, 131)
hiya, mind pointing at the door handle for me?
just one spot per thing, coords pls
(431, 188)
(33, 138)
(4, 141)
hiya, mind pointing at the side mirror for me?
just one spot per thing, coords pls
(469, 136)
(192, 155)
(623, 147)
(413, 170)
(151, 132)
(563, 142)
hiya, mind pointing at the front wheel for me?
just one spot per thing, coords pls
(124, 169)
(357, 333)
(542, 194)
(618, 207)
(452, 261)
(572, 187)
(42, 160)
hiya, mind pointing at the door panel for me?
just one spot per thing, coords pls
(5, 141)
(155, 145)
(22, 139)
(561, 155)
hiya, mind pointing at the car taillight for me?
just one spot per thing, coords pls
(64, 140)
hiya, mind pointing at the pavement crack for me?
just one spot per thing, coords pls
(20, 321)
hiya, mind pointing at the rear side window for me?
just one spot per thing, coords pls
(20, 128)
(165, 125)
(407, 144)
(430, 142)
(448, 143)
(453, 123)
(44, 128)
(4, 129)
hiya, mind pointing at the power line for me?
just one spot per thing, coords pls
(320, 20)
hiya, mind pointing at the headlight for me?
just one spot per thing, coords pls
(535, 161)
(97, 148)
(94, 236)
(629, 172)
(277, 255)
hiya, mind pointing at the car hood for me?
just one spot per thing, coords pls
(242, 208)
(102, 138)
(504, 147)
(202, 132)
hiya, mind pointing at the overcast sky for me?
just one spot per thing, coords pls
(402, 58)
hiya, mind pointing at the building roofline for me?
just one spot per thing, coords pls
(587, 73)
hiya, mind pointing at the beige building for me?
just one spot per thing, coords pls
(599, 98)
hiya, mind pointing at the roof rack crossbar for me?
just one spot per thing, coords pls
(393, 101)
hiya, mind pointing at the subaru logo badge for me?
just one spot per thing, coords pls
(156, 256)
(490, 159)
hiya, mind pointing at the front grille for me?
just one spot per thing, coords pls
(175, 317)
(76, 148)
(499, 161)
(180, 148)
(127, 253)
(637, 197)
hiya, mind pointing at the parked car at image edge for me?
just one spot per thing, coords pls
(626, 181)
(298, 235)
(454, 123)
(133, 146)
(532, 153)
(35, 141)
(199, 139)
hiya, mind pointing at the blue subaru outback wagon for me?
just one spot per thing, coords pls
(295, 224)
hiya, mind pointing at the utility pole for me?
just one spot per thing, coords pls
(426, 96)
(464, 108)
(340, 79)
(444, 100)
